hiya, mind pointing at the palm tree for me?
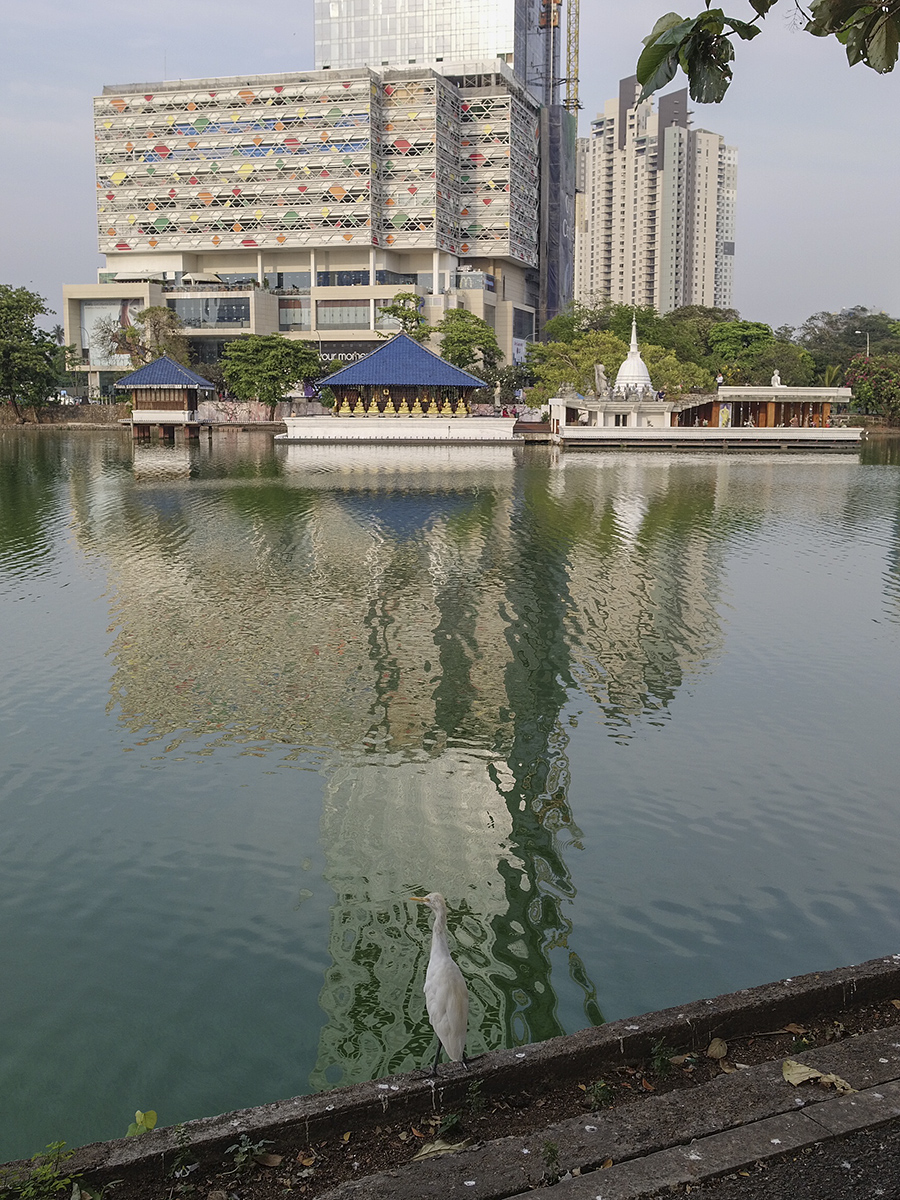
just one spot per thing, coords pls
(831, 376)
(58, 334)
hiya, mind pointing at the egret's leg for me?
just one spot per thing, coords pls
(437, 1059)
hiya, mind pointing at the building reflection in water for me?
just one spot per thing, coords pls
(416, 622)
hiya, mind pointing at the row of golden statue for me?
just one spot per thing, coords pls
(392, 409)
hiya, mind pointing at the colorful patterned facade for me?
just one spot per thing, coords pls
(405, 160)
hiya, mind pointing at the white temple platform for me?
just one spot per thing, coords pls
(712, 438)
(400, 430)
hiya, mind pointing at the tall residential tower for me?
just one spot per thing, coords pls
(656, 207)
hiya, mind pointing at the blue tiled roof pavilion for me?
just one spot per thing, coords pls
(402, 363)
(164, 372)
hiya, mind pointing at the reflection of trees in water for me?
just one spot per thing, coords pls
(36, 466)
(425, 638)
(479, 820)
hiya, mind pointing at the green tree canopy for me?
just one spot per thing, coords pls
(732, 339)
(556, 363)
(467, 342)
(670, 375)
(876, 384)
(702, 46)
(264, 368)
(833, 339)
(406, 310)
(689, 329)
(30, 359)
(605, 316)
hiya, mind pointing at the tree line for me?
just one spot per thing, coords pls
(690, 349)
(694, 348)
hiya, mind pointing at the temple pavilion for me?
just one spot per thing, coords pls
(407, 382)
(402, 379)
(166, 394)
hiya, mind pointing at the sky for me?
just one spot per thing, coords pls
(818, 142)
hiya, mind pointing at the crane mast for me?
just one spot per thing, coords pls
(572, 19)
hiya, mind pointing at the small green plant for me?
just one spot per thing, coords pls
(448, 1123)
(550, 1154)
(46, 1178)
(184, 1162)
(474, 1098)
(800, 1044)
(601, 1094)
(143, 1122)
(244, 1151)
(660, 1059)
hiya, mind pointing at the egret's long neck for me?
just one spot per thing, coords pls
(439, 933)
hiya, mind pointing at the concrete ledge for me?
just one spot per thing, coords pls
(581, 1055)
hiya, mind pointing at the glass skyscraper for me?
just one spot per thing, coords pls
(398, 33)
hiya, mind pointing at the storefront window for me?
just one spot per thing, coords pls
(343, 314)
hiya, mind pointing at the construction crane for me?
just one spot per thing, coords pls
(572, 103)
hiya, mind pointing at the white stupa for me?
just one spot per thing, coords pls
(633, 378)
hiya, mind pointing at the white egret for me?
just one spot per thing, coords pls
(446, 994)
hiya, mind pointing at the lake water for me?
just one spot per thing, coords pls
(636, 716)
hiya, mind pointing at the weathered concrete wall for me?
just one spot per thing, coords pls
(580, 1055)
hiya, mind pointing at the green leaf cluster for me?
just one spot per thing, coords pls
(45, 1180)
(876, 385)
(700, 46)
(32, 363)
(405, 309)
(467, 341)
(870, 32)
(703, 49)
(264, 368)
(143, 1122)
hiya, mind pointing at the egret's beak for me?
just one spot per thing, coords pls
(420, 899)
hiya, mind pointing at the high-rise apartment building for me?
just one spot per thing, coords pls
(655, 211)
(304, 202)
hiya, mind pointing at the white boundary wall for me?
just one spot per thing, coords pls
(399, 429)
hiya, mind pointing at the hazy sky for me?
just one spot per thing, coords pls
(819, 143)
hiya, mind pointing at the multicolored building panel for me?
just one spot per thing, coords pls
(407, 159)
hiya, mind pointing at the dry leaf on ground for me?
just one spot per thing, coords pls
(797, 1073)
(839, 1085)
(717, 1048)
(268, 1160)
(438, 1146)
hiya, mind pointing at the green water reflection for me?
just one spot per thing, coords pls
(423, 623)
(436, 662)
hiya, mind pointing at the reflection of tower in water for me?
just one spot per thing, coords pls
(443, 811)
(424, 628)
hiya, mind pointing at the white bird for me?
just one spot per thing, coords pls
(446, 994)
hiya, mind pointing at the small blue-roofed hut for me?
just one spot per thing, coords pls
(402, 379)
(165, 392)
